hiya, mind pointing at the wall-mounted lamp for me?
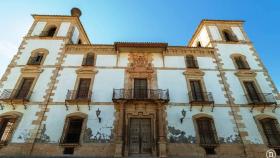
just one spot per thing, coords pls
(183, 112)
(98, 112)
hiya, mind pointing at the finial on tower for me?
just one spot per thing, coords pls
(76, 12)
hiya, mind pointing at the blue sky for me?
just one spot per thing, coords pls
(172, 21)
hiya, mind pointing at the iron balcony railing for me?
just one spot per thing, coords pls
(78, 95)
(261, 98)
(192, 63)
(15, 94)
(141, 94)
(201, 97)
(34, 61)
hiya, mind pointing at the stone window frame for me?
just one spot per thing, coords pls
(194, 77)
(12, 114)
(244, 58)
(197, 136)
(44, 51)
(27, 73)
(249, 79)
(80, 76)
(257, 119)
(66, 126)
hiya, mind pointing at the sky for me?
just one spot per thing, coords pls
(171, 21)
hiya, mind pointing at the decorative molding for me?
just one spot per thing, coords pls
(246, 73)
(193, 72)
(87, 70)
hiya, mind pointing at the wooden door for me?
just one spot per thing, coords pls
(24, 89)
(140, 88)
(196, 90)
(140, 136)
(83, 89)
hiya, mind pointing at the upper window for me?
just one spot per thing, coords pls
(198, 44)
(207, 134)
(36, 59)
(88, 60)
(241, 62)
(229, 36)
(191, 62)
(49, 32)
(271, 131)
(7, 125)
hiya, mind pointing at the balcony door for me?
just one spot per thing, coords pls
(83, 89)
(252, 91)
(196, 90)
(24, 89)
(140, 88)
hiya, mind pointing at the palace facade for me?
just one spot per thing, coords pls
(62, 95)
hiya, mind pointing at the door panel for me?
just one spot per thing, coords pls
(197, 93)
(252, 91)
(140, 88)
(140, 136)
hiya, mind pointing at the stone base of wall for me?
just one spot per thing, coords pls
(194, 150)
(13, 149)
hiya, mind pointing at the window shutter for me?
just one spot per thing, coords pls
(83, 89)
(24, 89)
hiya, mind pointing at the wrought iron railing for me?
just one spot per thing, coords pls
(78, 95)
(15, 94)
(201, 97)
(192, 63)
(261, 98)
(34, 61)
(141, 94)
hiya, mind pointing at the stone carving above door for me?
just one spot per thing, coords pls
(140, 62)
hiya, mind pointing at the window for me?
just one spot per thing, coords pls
(229, 36)
(198, 44)
(89, 60)
(24, 90)
(83, 89)
(6, 128)
(207, 134)
(191, 62)
(252, 93)
(196, 91)
(80, 41)
(36, 60)
(49, 32)
(73, 131)
(140, 88)
(271, 131)
(241, 63)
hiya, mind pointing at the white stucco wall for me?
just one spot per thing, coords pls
(226, 50)
(206, 63)
(12, 79)
(215, 33)
(73, 60)
(106, 60)
(63, 29)
(212, 84)
(54, 125)
(41, 85)
(223, 124)
(65, 82)
(202, 37)
(75, 36)
(238, 33)
(157, 59)
(53, 46)
(123, 59)
(104, 82)
(175, 81)
(38, 28)
(174, 61)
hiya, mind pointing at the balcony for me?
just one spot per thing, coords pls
(261, 99)
(78, 97)
(15, 96)
(141, 94)
(201, 99)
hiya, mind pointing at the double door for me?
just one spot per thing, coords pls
(140, 136)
